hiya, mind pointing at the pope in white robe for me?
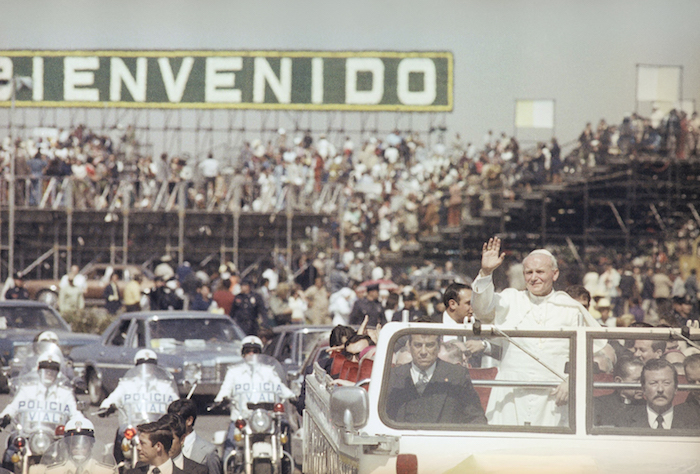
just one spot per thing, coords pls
(537, 307)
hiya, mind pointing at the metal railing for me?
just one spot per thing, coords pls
(232, 195)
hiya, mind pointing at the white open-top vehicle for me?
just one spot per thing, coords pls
(361, 428)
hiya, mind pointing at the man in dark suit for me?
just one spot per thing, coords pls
(153, 448)
(659, 384)
(368, 306)
(691, 365)
(195, 447)
(608, 408)
(113, 300)
(429, 390)
(176, 424)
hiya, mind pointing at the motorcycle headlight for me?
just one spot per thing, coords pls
(40, 442)
(192, 372)
(260, 422)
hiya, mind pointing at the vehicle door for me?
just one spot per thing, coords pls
(116, 354)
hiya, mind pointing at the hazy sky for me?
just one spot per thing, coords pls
(580, 53)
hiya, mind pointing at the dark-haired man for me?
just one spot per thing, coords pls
(368, 306)
(176, 424)
(458, 307)
(659, 384)
(154, 446)
(609, 408)
(430, 390)
(691, 366)
(194, 446)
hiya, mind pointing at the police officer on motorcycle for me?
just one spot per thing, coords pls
(40, 395)
(77, 452)
(47, 343)
(143, 393)
(245, 382)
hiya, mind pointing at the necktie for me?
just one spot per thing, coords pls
(156, 470)
(422, 382)
(660, 422)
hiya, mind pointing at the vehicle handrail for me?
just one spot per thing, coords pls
(516, 383)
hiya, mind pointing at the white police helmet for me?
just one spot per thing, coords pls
(145, 356)
(80, 436)
(48, 336)
(251, 342)
(48, 366)
(79, 425)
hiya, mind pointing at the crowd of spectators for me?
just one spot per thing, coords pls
(396, 187)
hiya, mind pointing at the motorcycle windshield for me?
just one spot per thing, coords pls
(41, 349)
(33, 379)
(148, 390)
(258, 379)
(78, 453)
(37, 415)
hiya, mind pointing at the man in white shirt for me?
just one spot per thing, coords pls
(194, 446)
(154, 446)
(176, 424)
(458, 307)
(659, 385)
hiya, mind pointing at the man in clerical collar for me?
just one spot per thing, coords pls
(609, 408)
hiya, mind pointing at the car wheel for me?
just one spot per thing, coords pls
(95, 391)
(48, 297)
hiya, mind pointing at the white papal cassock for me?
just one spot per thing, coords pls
(523, 310)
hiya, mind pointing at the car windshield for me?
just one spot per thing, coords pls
(435, 382)
(310, 340)
(191, 332)
(29, 318)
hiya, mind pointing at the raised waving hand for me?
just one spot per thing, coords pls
(491, 256)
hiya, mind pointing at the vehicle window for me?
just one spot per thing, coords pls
(286, 349)
(140, 336)
(29, 318)
(270, 348)
(309, 341)
(439, 380)
(119, 334)
(644, 386)
(191, 332)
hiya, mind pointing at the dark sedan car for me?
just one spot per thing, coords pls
(194, 346)
(20, 322)
(292, 344)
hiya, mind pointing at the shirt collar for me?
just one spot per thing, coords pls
(165, 468)
(189, 444)
(668, 417)
(447, 319)
(179, 461)
(416, 372)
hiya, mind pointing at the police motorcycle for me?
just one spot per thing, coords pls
(142, 396)
(258, 438)
(77, 452)
(40, 409)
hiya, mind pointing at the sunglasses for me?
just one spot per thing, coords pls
(352, 356)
